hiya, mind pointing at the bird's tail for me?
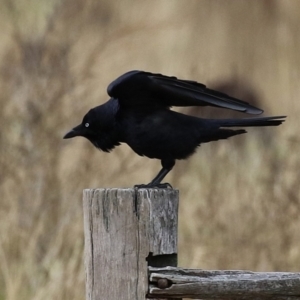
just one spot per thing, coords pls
(216, 132)
(251, 122)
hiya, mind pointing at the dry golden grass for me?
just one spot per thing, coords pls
(239, 199)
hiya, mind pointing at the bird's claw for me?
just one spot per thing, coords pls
(154, 186)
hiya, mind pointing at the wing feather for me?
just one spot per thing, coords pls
(137, 88)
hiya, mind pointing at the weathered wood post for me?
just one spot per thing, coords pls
(127, 230)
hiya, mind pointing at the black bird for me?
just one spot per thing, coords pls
(138, 113)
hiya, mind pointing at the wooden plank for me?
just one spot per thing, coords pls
(125, 231)
(171, 282)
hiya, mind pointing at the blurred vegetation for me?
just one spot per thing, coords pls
(239, 198)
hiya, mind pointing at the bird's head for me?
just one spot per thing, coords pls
(87, 128)
(98, 126)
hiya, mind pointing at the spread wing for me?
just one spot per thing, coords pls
(138, 88)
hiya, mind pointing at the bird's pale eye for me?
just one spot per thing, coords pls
(86, 124)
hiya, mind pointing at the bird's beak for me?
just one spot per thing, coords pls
(76, 131)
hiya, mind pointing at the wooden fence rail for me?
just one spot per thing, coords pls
(174, 282)
(131, 254)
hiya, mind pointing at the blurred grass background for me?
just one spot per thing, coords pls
(239, 198)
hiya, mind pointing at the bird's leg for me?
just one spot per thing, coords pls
(167, 166)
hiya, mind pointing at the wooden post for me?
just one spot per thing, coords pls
(127, 230)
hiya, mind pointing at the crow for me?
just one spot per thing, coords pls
(138, 113)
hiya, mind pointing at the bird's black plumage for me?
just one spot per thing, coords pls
(139, 114)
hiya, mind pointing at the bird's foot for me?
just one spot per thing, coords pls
(154, 186)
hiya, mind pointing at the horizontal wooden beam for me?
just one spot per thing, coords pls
(172, 282)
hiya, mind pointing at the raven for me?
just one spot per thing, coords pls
(138, 113)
